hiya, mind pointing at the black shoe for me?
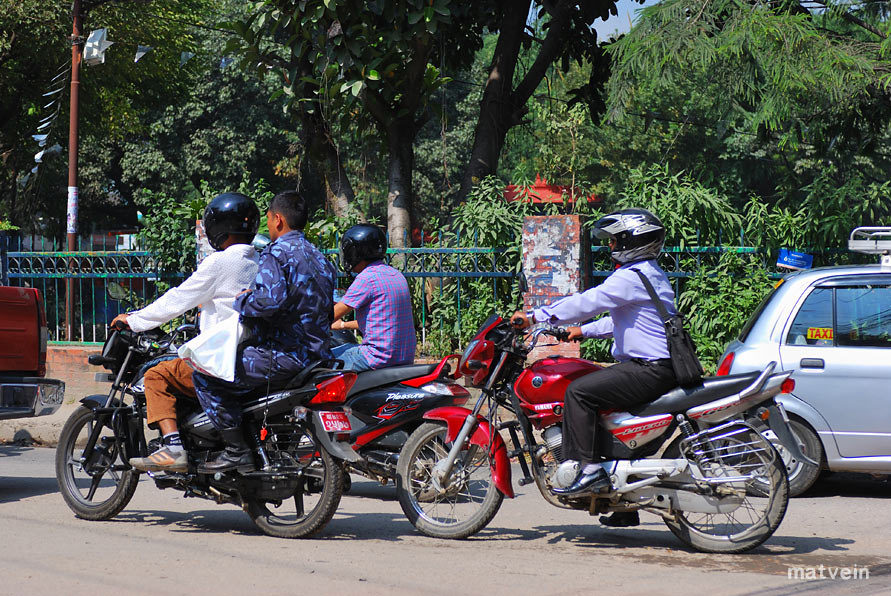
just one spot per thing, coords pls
(586, 483)
(621, 519)
(230, 459)
(236, 456)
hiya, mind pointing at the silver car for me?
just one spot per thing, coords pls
(832, 326)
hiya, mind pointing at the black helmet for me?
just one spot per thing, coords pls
(362, 242)
(230, 213)
(638, 234)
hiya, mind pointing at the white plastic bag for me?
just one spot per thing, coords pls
(214, 350)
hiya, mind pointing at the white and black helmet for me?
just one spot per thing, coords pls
(639, 235)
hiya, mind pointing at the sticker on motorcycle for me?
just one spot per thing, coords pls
(335, 422)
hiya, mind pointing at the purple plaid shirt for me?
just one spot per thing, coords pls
(380, 296)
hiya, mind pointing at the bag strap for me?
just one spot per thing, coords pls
(663, 312)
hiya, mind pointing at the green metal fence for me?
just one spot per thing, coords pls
(444, 281)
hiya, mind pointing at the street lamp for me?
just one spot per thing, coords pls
(95, 50)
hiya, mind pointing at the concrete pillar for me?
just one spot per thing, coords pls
(557, 263)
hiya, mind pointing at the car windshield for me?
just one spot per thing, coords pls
(744, 333)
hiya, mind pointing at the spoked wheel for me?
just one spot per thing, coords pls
(751, 510)
(315, 498)
(462, 507)
(95, 485)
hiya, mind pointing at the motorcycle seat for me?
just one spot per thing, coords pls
(681, 399)
(370, 379)
(297, 381)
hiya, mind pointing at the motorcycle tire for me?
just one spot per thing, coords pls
(114, 488)
(325, 487)
(470, 502)
(772, 493)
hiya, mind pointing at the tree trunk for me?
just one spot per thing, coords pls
(496, 107)
(400, 198)
(503, 105)
(324, 155)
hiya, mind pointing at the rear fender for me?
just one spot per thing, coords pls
(483, 436)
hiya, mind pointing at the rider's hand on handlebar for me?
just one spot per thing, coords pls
(520, 320)
(120, 322)
(575, 334)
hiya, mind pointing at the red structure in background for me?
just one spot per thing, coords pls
(543, 192)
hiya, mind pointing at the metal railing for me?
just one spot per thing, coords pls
(444, 281)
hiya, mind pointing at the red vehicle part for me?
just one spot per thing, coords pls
(483, 436)
(23, 328)
(540, 386)
(435, 375)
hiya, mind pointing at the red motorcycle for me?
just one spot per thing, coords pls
(690, 456)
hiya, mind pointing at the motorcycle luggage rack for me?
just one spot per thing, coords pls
(872, 240)
(712, 448)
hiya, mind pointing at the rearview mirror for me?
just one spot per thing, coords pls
(260, 241)
(522, 283)
(117, 292)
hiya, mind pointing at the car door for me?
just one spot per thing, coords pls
(839, 343)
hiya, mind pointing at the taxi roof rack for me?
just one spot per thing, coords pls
(872, 240)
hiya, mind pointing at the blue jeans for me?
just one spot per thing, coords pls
(352, 358)
(256, 367)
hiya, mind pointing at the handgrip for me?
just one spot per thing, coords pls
(812, 363)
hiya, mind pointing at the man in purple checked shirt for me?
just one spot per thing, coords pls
(381, 299)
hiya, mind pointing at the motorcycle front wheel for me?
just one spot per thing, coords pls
(464, 506)
(764, 499)
(95, 485)
(315, 499)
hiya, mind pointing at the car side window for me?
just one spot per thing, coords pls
(812, 325)
(863, 316)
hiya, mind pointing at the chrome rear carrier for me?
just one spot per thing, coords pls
(728, 453)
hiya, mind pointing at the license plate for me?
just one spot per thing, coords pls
(335, 422)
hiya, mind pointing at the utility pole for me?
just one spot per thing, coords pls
(77, 49)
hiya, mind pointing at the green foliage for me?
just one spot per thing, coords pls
(169, 236)
(693, 214)
(767, 58)
(717, 302)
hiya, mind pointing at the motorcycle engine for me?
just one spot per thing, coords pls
(553, 438)
(565, 474)
(560, 473)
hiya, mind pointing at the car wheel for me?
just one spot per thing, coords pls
(802, 475)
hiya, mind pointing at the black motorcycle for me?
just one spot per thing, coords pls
(386, 405)
(297, 430)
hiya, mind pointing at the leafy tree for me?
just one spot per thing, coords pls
(564, 33)
(371, 63)
(113, 96)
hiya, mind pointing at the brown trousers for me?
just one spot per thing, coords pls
(163, 383)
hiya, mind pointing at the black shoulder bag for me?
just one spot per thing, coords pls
(687, 369)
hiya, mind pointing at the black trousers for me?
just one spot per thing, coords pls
(621, 386)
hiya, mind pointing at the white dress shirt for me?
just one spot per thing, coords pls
(213, 286)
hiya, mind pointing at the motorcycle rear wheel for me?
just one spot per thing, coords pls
(753, 522)
(314, 502)
(463, 509)
(90, 485)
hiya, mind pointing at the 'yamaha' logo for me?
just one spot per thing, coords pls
(537, 382)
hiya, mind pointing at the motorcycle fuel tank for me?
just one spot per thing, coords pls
(542, 387)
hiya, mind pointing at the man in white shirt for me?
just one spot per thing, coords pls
(231, 221)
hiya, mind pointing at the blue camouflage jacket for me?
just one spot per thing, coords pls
(290, 308)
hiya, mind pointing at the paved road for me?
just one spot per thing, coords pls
(165, 544)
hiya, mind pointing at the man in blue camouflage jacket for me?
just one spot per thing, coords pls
(289, 311)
